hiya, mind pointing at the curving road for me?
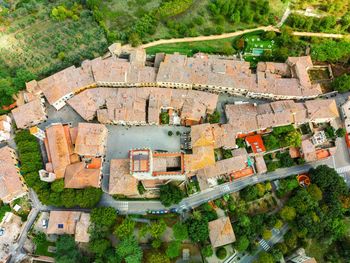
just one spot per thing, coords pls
(238, 33)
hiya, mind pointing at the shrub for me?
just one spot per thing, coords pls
(207, 251)
(221, 253)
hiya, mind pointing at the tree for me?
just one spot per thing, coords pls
(99, 246)
(270, 35)
(278, 224)
(88, 197)
(207, 251)
(276, 254)
(242, 244)
(104, 216)
(267, 234)
(271, 142)
(157, 228)
(57, 186)
(157, 257)
(215, 117)
(135, 39)
(129, 250)
(282, 247)
(290, 239)
(293, 138)
(170, 194)
(156, 243)
(125, 229)
(288, 213)
(66, 250)
(249, 193)
(197, 229)
(340, 132)
(173, 250)
(180, 231)
(221, 253)
(170, 133)
(315, 192)
(329, 181)
(265, 257)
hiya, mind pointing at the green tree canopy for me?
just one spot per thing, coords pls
(265, 257)
(129, 250)
(104, 216)
(207, 251)
(288, 213)
(125, 229)
(242, 243)
(66, 250)
(342, 83)
(170, 194)
(173, 250)
(180, 231)
(197, 229)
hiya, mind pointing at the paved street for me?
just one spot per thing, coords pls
(277, 236)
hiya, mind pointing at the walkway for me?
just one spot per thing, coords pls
(237, 33)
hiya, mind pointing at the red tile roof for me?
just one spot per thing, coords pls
(256, 143)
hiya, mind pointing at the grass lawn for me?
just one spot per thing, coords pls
(190, 48)
(41, 249)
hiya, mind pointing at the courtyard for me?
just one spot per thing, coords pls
(123, 138)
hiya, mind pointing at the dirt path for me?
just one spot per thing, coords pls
(237, 33)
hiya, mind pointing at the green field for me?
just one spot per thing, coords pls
(190, 48)
(30, 38)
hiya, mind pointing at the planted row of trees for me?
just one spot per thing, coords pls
(328, 23)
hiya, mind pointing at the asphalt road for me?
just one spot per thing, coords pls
(140, 207)
(277, 236)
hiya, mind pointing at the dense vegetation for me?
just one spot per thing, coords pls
(326, 24)
(333, 7)
(315, 214)
(49, 193)
(137, 21)
(105, 221)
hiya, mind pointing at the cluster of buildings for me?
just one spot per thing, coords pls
(73, 153)
(141, 106)
(141, 102)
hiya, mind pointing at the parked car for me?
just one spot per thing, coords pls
(45, 223)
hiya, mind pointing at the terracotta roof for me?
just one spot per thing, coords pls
(59, 148)
(260, 164)
(320, 110)
(29, 114)
(63, 222)
(130, 105)
(121, 182)
(81, 231)
(77, 176)
(308, 150)
(246, 118)
(221, 232)
(91, 139)
(256, 142)
(11, 182)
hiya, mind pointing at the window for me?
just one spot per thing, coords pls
(60, 226)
